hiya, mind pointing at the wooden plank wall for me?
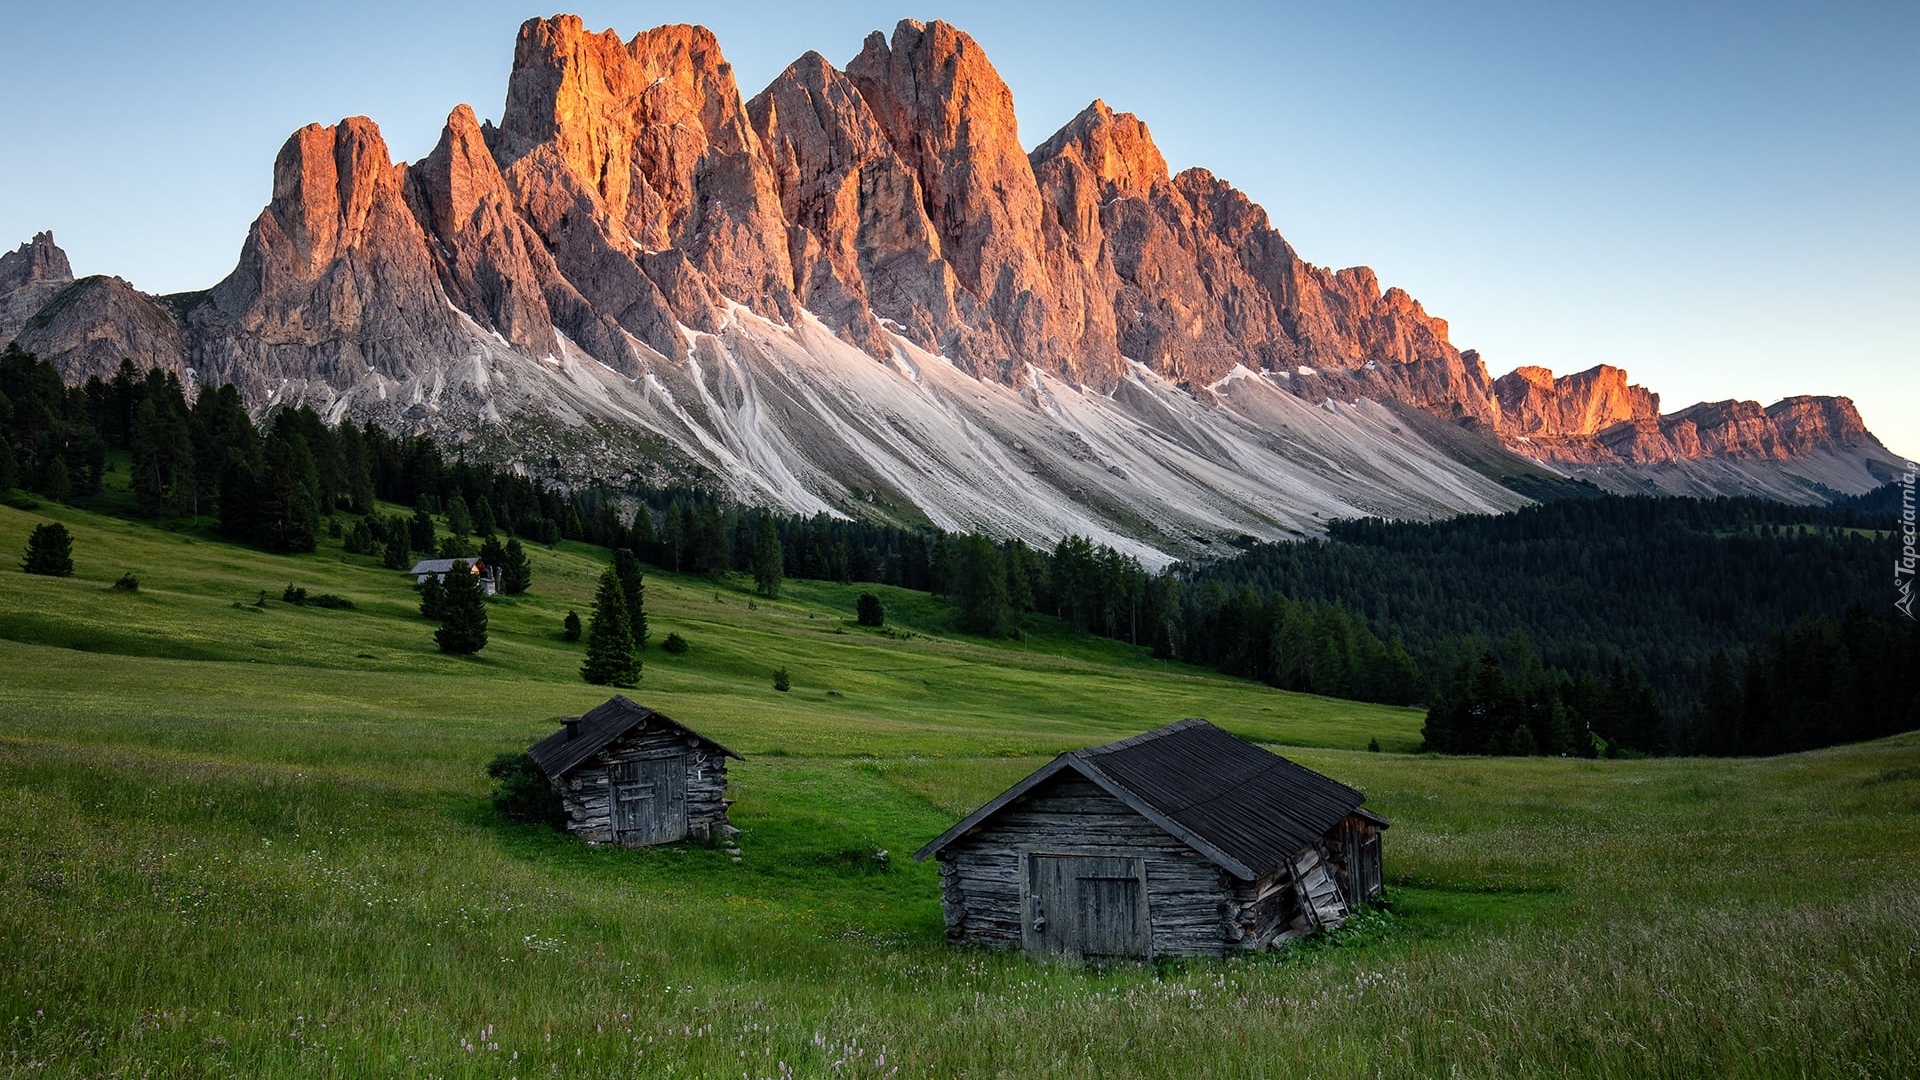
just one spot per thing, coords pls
(982, 874)
(586, 791)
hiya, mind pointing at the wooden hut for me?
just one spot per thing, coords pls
(439, 569)
(1185, 841)
(632, 776)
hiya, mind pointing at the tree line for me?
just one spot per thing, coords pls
(1596, 625)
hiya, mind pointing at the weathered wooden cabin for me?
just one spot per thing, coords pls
(1185, 841)
(632, 776)
(439, 568)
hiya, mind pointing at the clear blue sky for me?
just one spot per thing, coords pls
(1719, 197)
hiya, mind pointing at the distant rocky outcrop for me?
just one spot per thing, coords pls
(591, 264)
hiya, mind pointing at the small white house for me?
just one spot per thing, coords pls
(439, 568)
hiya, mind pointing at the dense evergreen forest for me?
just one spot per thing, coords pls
(1730, 625)
(1599, 625)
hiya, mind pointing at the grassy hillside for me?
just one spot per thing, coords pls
(247, 840)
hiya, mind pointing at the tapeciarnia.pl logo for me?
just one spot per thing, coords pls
(1903, 567)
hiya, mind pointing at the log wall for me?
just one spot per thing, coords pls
(1194, 907)
(983, 874)
(586, 791)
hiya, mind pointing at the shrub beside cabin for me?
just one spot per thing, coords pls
(631, 776)
(1185, 841)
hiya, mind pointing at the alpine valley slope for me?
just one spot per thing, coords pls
(857, 293)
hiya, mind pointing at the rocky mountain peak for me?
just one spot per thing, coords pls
(653, 129)
(949, 115)
(37, 260)
(584, 265)
(1533, 403)
(1115, 148)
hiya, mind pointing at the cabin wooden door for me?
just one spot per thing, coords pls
(1091, 906)
(650, 801)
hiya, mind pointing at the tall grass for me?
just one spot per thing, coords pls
(257, 843)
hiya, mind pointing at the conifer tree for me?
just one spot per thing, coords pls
(674, 534)
(767, 570)
(459, 517)
(287, 517)
(611, 658)
(49, 551)
(397, 555)
(570, 627)
(239, 493)
(433, 597)
(633, 589)
(420, 530)
(463, 613)
(980, 586)
(58, 486)
(516, 573)
(641, 535)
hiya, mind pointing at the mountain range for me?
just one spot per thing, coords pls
(855, 292)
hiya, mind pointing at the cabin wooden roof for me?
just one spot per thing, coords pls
(442, 566)
(1244, 807)
(557, 754)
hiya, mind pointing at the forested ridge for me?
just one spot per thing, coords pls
(1592, 625)
(1729, 625)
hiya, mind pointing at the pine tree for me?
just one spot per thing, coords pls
(868, 610)
(980, 587)
(459, 517)
(674, 534)
(633, 589)
(767, 572)
(463, 613)
(420, 530)
(494, 557)
(485, 521)
(397, 555)
(239, 494)
(570, 627)
(516, 574)
(287, 517)
(610, 653)
(641, 535)
(49, 551)
(433, 597)
(58, 485)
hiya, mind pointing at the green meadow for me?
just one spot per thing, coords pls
(253, 839)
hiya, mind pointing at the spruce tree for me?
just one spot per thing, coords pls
(239, 491)
(463, 613)
(611, 658)
(287, 516)
(767, 569)
(570, 627)
(397, 556)
(459, 517)
(420, 529)
(49, 551)
(633, 589)
(641, 535)
(484, 519)
(980, 587)
(433, 597)
(516, 574)
(868, 610)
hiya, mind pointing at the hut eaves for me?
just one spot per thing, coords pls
(1245, 808)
